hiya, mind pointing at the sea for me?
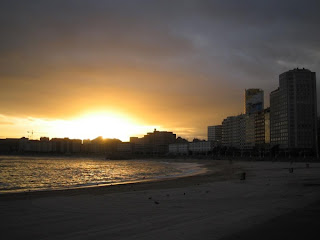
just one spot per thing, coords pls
(25, 174)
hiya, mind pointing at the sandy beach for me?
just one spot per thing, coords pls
(272, 202)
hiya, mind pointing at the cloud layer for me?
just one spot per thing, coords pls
(177, 64)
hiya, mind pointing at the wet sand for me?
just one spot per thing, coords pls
(217, 205)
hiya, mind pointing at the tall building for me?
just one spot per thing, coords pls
(234, 131)
(239, 131)
(215, 133)
(293, 110)
(253, 100)
(262, 128)
(249, 131)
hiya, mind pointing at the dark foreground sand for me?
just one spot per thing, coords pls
(272, 203)
(301, 223)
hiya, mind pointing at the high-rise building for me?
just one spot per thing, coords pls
(293, 110)
(253, 100)
(215, 133)
(239, 131)
(251, 129)
(234, 131)
(262, 128)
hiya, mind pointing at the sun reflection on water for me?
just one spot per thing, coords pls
(19, 174)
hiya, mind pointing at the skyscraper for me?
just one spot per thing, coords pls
(293, 110)
(253, 100)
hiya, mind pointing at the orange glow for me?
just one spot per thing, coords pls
(105, 124)
(86, 126)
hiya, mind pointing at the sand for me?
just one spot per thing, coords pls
(217, 205)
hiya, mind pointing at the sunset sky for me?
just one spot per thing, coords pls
(71, 68)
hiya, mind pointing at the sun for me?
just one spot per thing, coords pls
(105, 124)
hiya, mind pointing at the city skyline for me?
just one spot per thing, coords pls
(74, 67)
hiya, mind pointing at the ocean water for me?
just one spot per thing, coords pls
(20, 174)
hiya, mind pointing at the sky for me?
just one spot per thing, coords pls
(138, 65)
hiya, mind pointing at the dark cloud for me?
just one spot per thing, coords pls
(200, 54)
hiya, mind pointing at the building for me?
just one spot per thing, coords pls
(253, 100)
(155, 143)
(137, 145)
(76, 145)
(45, 145)
(262, 128)
(215, 134)
(8, 145)
(246, 131)
(124, 147)
(233, 131)
(64, 145)
(86, 146)
(249, 131)
(200, 147)
(179, 148)
(293, 110)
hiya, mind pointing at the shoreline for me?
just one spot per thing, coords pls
(211, 170)
(272, 201)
